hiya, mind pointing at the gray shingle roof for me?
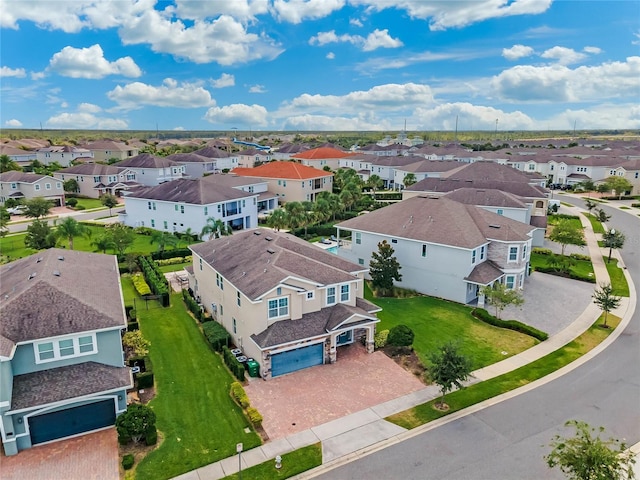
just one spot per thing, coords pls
(487, 197)
(146, 160)
(61, 298)
(91, 169)
(443, 185)
(189, 158)
(212, 152)
(256, 261)
(441, 221)
(485, 273)
(64, 383)
(194, 191)
(488, 171)
(15, 176)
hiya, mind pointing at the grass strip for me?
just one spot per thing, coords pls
(293, 463)
(524, 375)
(618, 280)
(595, 223)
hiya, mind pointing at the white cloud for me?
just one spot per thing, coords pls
(239, 114)
(602, 116)
(592, 50)
(404, 60)
(295, 11)
(89, 108)
(516, 52)
(355, 22)
(90, 63)
(380, 39)
(470, 117)
(330, 123)
(242, 9)
(557, 83)
(179, 129)
(324, 38)
(169, 94)
(84, 120)
(225, 80)
(460, 13)
(13, 123)
(38, 75)
(257, 89)
(637, 40)
(12, 72)
(330, 56)
(563, 55)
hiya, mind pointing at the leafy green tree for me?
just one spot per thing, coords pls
(602, 216)
(409, 179)
(71, 185)
(500, 296)
(135, 422)
(586, 456)
(587, 185)
(278, 219)
(375, 183)
(121, 236)
(618, 184)
(613, 239)
(605, 300)
(69, 228)
(4, 221)
(103, 242)
(37, 207)
(567, 233)
(384, 268)
(6, 164)
(448, 368)
(322, 210)
(39, 236)
(590, 205)
(215, 228)
(109, 201)
(602, 188)
(400, 336)
(163, 240)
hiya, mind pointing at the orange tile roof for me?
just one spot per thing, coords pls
(288, 170)
(322, 153)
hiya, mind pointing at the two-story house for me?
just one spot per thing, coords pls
(195, 165)
(187, 204)
(63, 154)
(105, 150)
(446, 249)
(291, 181)
(96, 179)
(151, 170)
(25, 186)
(225, 160)
(286, 303)
(267, 201)
(62, 370)
(322, 157)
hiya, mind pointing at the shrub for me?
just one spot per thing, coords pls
(254, 416)
(132, 326)
(124, 439)
(400, 336)
(140, 285)
(173, 261)
(193, 306)
(128, 461)
(72, 202)
(80, 207)
(240, 396)
(515, 325)
(216, 335)
(151, 436)
(542, 251)
(176, 252)
(136, 343)
(579, 256)
(145, 380)
(135, 421)
(237, 369)
(380, 338)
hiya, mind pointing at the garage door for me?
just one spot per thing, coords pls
(293, 360)
(64, 423)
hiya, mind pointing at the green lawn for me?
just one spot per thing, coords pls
(198, 420)
(572, 219)
(618, 280)
(595, 223)
(175, 267)
(436, 321)
(582, 269)
(89, 203)
(292, 463)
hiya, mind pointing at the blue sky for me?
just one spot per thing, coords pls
(304, 65)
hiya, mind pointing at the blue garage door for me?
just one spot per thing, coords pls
(51, 426)
(293, 360)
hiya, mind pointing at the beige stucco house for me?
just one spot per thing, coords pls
(25, 186)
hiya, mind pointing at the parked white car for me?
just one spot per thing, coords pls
(17, 210)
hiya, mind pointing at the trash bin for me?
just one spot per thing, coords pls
(254, 368)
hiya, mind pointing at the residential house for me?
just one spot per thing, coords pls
(286, 303)
(322, 157)
(291, 181)
(446, 249)
(151, 170)
(62, 370)
(422, 169)
(631, 170)
(267, 201)
(97, 179)
(26, 186)
(225, 161)
(252, 157)
(63, 155)
(195, 165)
(18, 155)
(187, 204)
(286, 150)
(109, 150)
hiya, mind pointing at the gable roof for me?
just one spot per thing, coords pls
(428, 166)
(21, 177)
(146, 160)
(484, 170)
(189, 158)
(212, 152)
(486, 197)
(189, 190)
(42, 296)
(109, 145)
(443, 185)
(257, 261)
(91, 169)
(441, 221)
(322, 153)
(282, 170)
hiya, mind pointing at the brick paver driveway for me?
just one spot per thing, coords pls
(88, 457)
(311, 397)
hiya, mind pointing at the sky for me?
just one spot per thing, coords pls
(320, 65)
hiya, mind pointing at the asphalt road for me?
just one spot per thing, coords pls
(80, 216)
(508, 440)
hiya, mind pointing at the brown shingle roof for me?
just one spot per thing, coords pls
(146, 160)
(486, 197)
(322, 153)
(212, 152)
(485, 273)
(15, 176)
(189, 158)
(194, 191)
(443, 185)
(91, 169)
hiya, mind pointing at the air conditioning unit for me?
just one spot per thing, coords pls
(135, 369)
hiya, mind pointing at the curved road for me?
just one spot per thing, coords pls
(508, 440)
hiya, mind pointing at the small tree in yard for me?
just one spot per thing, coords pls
(39, 236)
(602, 216)
(613, 239)
(618, 184)
(590, 205)
(448, 368)
(588, 457)
(37, 207)
(135, 422)
(384, 268)
(135, 344)
(606, 300)
(567, 233)
(109, 201)
(500, 296)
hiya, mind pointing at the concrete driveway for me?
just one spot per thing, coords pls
(308, 398)
(88, 457)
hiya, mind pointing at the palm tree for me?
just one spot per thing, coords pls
(70, 228)
(103, 242)
(163, 239)
(6, 164)
(322, 210)
(215, 228)
(335, 204)
(409, 179)
(295, 214)
(278, 219)
(375, 183)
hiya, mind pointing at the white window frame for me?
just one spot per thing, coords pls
(482, 251)
(36, 187)
(280, 310)
(331, 295)
(310, 295)
(473, 256)
(513, 281)
(524, 251)
(515, 255)
(238, 300)
(358, 237)
(57, 349)
(342, 292)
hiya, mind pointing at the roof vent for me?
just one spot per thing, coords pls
(494, 225)
(268, 239)
(61, 258)
(257, 232)
(56, 273)
(271, 251)
(32, 275)
(39, 260)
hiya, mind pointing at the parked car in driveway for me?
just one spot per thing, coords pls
(17, 210)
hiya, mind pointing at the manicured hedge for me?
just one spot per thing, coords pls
(133, 326)
(216, 335)
(572, 275)
(240, 396)
(176, 252)
(193, 306)
(140, 284)
(232, 362)
(145, 380)
(486, 317)
(155, 278)
(254, 417)
(128, 461)
(151, 436)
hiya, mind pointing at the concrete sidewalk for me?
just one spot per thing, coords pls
(366, 431)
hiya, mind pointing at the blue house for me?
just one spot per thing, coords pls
(62, 370)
